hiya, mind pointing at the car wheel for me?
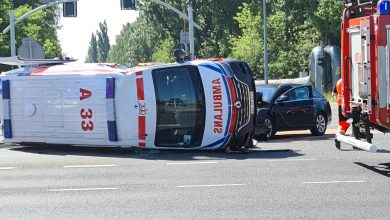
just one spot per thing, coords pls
(270, 130)
(320, 125)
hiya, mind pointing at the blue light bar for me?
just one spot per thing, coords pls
(110, 88)
(7, 125)
(110, 106)
(384, 7)
(112, 131)
(6, 91)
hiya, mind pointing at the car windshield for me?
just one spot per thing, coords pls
(267, 91)
(180, 107)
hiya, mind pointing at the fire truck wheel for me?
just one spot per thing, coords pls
(320, 125)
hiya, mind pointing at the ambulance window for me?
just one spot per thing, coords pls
(180, 107)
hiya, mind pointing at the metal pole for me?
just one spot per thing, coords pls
(12, 22)
(191, 31)
(265, 42)
(12, 32)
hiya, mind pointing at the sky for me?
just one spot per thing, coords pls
(75, 33)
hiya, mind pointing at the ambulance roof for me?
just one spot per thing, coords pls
(92, 68)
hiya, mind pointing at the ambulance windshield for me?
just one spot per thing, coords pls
(180, 107)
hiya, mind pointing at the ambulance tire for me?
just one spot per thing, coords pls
(320, 124)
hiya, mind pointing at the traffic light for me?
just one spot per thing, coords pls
(69, 9)
(128, 4)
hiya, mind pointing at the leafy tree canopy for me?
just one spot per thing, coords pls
(234, 28)
(42, 26)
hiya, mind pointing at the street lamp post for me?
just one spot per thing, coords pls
(265, 42)
(12, 32)
(13, 22)
(189, 18)
(191, 31)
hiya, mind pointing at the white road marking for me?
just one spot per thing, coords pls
(291, 160)
(90, 166)
(330, 182)
(215, 185)
(81, 189)
(192, 163)
(7, 168)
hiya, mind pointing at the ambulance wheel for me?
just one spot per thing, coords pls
(320, 124)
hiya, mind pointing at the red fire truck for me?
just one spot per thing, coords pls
(365, 43)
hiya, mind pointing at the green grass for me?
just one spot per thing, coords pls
(328, 96)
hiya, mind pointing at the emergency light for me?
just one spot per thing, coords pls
(384, 7)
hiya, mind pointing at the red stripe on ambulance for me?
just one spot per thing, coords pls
(234, 111)
(38, 71)
(141, 127)
(47, 71)
(141, 117)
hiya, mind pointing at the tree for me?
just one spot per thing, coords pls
(215, 18)
(249, 45)
(103, 42)
(164, 52)
(290, 36)
(327, 20)
(4, 22)
(41, 26)
(136, 43)
(92, 50)
(233, 28)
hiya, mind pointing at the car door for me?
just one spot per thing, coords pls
(294, 109)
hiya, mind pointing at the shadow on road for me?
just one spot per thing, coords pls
(284, 138)
(382, 168)
(379, 151)
(254, 153)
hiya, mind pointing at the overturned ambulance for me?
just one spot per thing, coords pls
(195, 105)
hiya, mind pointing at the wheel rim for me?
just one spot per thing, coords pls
(320, 123)
(268, 123)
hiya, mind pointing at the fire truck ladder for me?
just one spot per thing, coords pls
(364, 66)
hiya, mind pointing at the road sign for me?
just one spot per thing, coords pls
(184, 37)
(31, 49)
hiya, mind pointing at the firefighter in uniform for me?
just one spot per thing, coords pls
(343, 124)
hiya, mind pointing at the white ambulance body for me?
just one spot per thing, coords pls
(195, 105)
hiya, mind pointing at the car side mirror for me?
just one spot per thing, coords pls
(282, 98)
(259, 97)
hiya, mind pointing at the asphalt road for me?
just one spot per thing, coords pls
(295, 176)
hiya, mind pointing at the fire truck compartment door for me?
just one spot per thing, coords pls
(356, 57)
(386, 91)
